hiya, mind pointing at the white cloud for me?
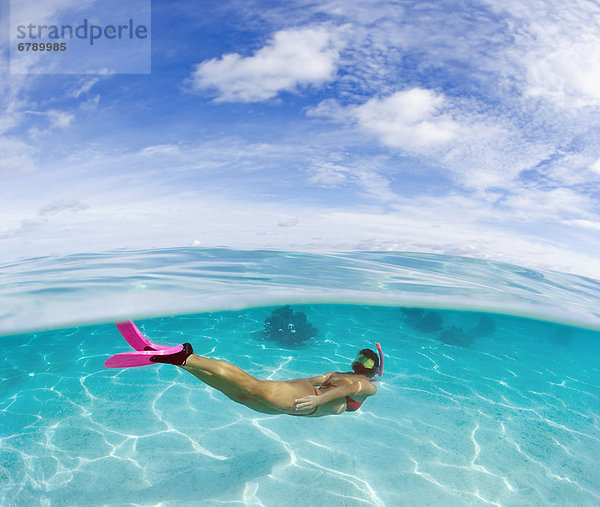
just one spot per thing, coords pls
(27, 11)
(17, 156)
(289, 222)
(556, 49)
(292, 59)
(7, 121)
(366, 175)
(587, 224)
(569, 75)
(90, 104)
(488, 153)
(410, 119)
(556, 204)
(160, 149)
(327, 174)
(11, 102)
(477, 151)
(59, 119)
(84, 86)
(330, 109)
(61, 205)
(25, 226)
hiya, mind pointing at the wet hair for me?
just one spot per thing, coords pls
(360, 368)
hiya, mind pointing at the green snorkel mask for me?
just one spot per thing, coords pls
(367, 362)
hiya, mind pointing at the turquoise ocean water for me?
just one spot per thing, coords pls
(490, 395)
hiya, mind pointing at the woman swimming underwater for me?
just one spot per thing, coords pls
(328, 394)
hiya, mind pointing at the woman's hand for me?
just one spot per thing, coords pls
(308, 402)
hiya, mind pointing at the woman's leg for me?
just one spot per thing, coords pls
(219, 374)
(267, 396)
(233, 382)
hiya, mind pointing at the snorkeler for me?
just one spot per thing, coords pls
(328, 394)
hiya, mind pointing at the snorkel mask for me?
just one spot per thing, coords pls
(367, 363)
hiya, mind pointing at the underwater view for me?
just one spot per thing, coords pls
(490, 392)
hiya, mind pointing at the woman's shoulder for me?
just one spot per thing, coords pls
(367, 386)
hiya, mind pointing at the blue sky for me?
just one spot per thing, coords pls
(467, 128)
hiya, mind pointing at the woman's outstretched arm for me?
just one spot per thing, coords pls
(356, 387)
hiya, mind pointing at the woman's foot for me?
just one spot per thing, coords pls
(178, 358)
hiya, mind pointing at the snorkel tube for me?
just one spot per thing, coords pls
(380, 371)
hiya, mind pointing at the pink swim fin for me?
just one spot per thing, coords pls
(139, 357)
(144, 348)
(135, 338)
